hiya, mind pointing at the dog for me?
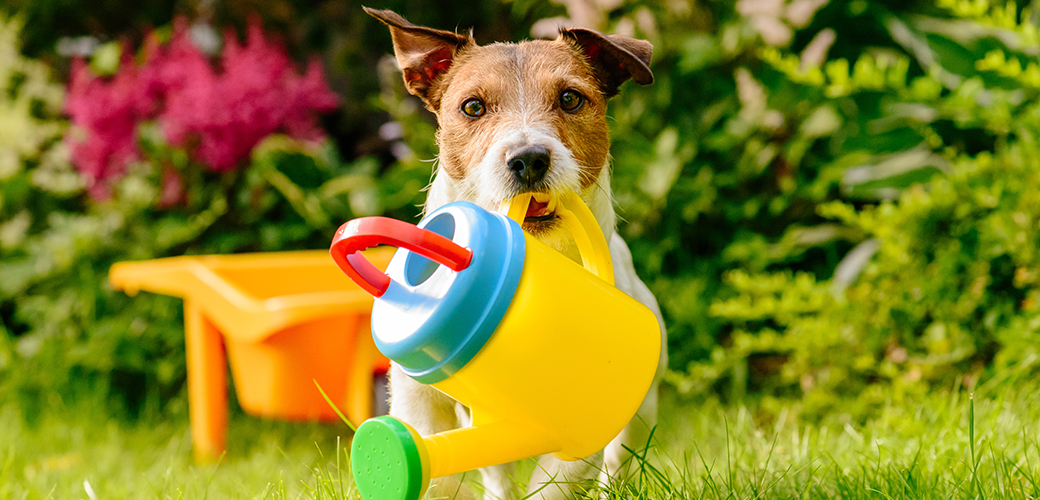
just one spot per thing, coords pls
(515, 118)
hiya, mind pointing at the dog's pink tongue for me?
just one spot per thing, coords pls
(537, 208)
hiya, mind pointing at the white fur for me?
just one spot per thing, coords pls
(490, 182)
(430, 411)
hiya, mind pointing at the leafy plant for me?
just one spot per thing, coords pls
(65, 329)
(827, 198)
(831, 227)
(217, 116)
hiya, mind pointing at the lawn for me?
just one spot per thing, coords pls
(65, 450)
(703, 449)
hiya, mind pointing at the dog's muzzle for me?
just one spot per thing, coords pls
(529, 165)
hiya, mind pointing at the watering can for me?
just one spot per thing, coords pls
(548, 355)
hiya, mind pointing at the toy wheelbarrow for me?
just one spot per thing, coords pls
(286, 320)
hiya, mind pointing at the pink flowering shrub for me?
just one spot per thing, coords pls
(106, 114)
(217, 112)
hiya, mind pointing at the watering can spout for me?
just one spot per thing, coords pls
(470, 448)
(406, 461)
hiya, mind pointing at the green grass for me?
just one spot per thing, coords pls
(945, 446)
(56, 454)
(948, 446)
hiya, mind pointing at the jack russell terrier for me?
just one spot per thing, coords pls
(517, 118)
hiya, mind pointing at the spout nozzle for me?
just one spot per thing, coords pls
(389, 461)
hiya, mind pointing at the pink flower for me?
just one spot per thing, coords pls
(221, 116)
(218, 114)
(106, 114)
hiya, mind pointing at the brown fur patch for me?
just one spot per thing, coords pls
(520, 85)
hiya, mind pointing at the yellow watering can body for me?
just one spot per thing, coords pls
(559, 362)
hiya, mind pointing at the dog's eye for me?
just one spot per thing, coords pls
(571, 100)
(473, 107)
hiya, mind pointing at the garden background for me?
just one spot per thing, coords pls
(837, 203)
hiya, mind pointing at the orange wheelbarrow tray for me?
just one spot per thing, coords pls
(286, 320)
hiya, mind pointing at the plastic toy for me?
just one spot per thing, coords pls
(549, 356)
(286, 320)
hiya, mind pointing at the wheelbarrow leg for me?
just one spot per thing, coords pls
(207, 385)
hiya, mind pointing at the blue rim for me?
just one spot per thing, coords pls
(433, 321)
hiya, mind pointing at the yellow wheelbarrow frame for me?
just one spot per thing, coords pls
(283, 320)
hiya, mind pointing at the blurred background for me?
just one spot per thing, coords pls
(836, 202)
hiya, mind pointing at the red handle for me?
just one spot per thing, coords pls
(367, 232)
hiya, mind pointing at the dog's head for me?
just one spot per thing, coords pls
(524, 117)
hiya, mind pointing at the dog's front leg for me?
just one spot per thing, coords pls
(555, 479)
(618, 461)
(498, 482)
(428, 411)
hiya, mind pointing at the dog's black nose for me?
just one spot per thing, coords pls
(530, 164)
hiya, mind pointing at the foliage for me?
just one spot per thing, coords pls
(348, 42)
(48, 20)
(861, 225)
(31, 161)
(950, 289)
(65, 329)
(218, 116)
(29, 97)
(826, 197)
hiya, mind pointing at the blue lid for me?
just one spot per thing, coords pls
(433, 320)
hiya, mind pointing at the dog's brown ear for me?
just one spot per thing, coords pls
(424, 54)
(615, 58)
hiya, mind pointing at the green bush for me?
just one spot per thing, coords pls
(949, 291)
(828, 198)
(758, 180)
(63, 330)
(34, 175)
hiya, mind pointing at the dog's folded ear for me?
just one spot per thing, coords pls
(615, 58)
(424, 54)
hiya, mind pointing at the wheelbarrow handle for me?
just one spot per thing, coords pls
(367, 232)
